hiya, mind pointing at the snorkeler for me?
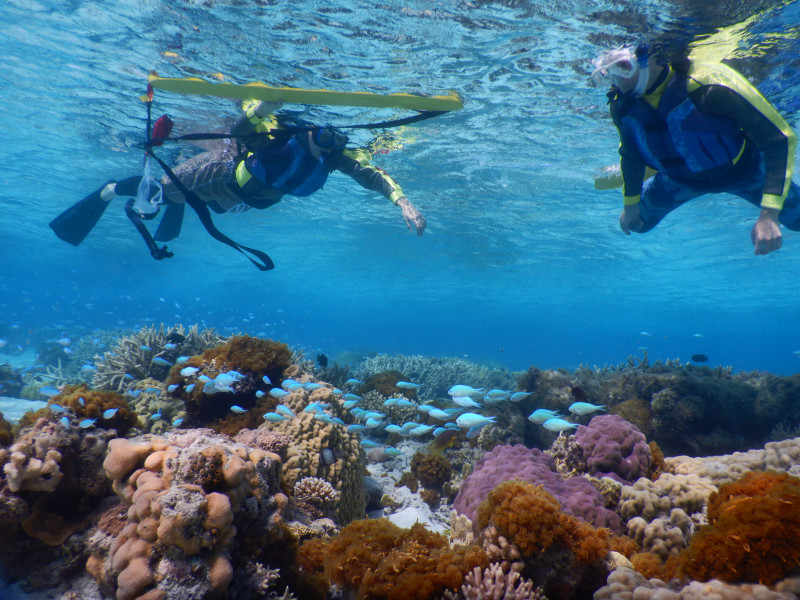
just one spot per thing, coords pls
(705, 129)
(278, 159)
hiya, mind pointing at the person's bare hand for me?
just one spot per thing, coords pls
(766, 233)
(412, 216)
(629, 220)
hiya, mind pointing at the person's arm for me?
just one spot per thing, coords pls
(356, 164)
(253, 122)
(632, 168)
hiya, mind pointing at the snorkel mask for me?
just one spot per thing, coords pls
(625, 62)
(329, 138)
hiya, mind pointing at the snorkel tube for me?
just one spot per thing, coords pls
(642, 59)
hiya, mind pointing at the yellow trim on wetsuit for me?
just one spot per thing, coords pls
(720, 74)
(362, 157)
(242, 174)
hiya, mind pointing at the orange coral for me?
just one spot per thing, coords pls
(754, 525)
(526, 515)
(91, 404)
(6, 437)
(384, 562)
(432, 470)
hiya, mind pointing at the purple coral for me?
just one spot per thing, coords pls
(577, 496)
(614, 448)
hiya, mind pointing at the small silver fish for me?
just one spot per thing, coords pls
(86, 423)
(557, 424)
(584, 408)
(189, 371)
(237, 409)
(107, 414)
(274, 417)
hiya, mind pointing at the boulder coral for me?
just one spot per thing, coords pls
(614, 448)
(576, 495)
(186, 495)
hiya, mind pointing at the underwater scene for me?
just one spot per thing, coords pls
(334, 300)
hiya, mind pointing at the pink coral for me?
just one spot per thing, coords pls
(614, 448)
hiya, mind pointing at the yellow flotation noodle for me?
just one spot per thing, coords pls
(260, 91)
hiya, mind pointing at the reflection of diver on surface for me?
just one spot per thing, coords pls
(703, 128)
(278, 158)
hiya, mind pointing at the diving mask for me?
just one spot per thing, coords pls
(330, 139)
(625, 62)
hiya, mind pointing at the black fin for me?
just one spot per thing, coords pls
(170, 226)
(75, 223)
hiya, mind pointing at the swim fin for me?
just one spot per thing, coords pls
(75, 223)
(170, 226)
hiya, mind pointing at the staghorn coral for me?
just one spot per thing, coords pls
(435, 375)
(752, 532)
(375, 559)
(132, 357)
(494, 584)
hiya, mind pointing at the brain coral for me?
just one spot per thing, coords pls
(752, 533)
(576, 495)
(614, 448)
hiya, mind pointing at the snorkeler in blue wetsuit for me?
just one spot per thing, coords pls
(277, 159)
(705, 129)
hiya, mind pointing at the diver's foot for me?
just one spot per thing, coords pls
(109, 192)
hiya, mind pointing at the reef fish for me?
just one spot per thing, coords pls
(353, 381)
(540, 415)
(161, 361)
(584, 408)
(519, 396)
(466, 402)
(469, 420)
(285, 411)
(557, 424)
(698, 358)
(465, 390)
(86, 423)
(407, 385)
(189, 371)
(278, 393)
(274, 417)
(109, 413)
(237, 409)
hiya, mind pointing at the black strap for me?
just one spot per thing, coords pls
(136, 219)
(421, 116)
(204, 215)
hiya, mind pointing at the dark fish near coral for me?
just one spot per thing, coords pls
(176, 338)
(322, 360)
(698, 358)
(446, 439)
(579, 394)
(327, 457)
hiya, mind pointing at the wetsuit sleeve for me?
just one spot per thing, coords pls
(356, 164)
(631, 164)
(253, 128)
(718, 90)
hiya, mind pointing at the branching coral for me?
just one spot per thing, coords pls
(752, 532)
(148, 353)
(494, 584)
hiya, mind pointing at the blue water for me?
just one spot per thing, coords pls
(523, 262)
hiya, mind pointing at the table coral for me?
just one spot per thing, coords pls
(752, 533)
(186, 494)
(576, 495)
(615, 448)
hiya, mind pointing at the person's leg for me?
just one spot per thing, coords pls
(660, 196)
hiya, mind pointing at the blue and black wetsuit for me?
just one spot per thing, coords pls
(705, 129)
(273, 164)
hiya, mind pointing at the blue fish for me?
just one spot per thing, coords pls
(161, 361)
(169, 346)
(189, 388)
(107, 414)
(152, 390)
(86, 369)
(65, 422)
(48, 391)
(260, 394)
(519, 396)
(57, 408)
(310, 386)
(351, 397)
(144, 348)
(584, 408)
(337, 392)
(348, 404)
(182, 359)
(278, 393)
(556, 424)
(86, 423)
(541, 415)
(285, 411)
(288, 382)
(177, 421)
(353, 381)
(274, 417)
(392, 428)
(407, 385)
(404, 403)
(356, 428)
(469, 420)
(128, 377)
(155, 416)
(81, 401)
(237, 409)
(172, 388)
(266, 380)
(189, 371)
(392, 451)
(368, 444)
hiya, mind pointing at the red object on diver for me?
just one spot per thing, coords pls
(161, 130)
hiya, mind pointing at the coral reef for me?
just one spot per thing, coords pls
(557, 551)
(86, 403)
(252, 358)
(494, 584)
(614, 448)
(316, 495)
(774, 456)
(374, 559)
(431, 470)
(194, 501)
(576, 495)
(148, 353)
(752, 532)
(650, 499)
